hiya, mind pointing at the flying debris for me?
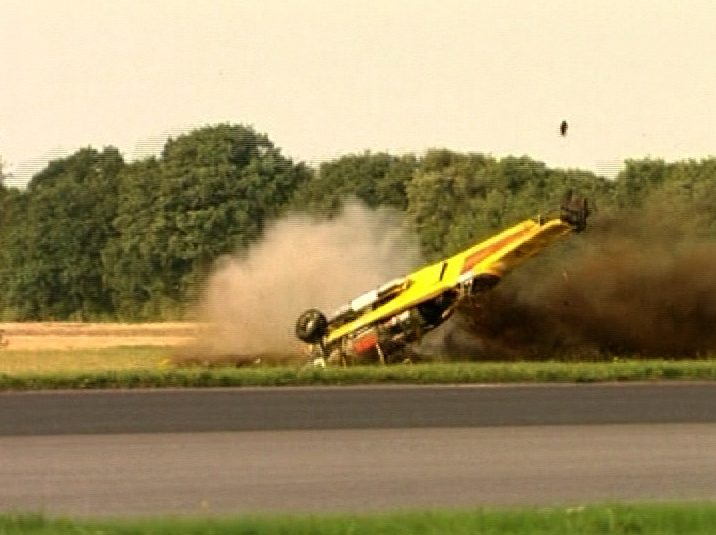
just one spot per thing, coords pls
(379, 325)
(563, 128)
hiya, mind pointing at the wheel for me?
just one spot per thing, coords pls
(574, 211)
(483, 283)
(432, 311)
(311, 326)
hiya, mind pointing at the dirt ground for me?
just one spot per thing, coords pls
(66, 335)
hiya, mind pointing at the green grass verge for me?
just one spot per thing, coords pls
(663, 519)
(18, 361)
(446, 373)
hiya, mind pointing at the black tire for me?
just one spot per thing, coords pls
(311, 326)
(575, 211)
(432, 311)
(484, 282)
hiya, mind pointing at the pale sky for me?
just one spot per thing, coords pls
(324, 78)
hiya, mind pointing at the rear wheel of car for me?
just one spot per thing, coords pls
(311, 326)
(574, 211)
(433, 311)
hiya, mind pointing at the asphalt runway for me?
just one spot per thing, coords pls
(355, 449)
(369, 407)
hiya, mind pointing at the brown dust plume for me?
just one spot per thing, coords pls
(638, 284)
(252, 301)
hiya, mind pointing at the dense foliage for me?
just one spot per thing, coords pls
(96, 237)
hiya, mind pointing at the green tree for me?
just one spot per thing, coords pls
(378, 179)
(684, 200)
(54, 268)
(456, 199)
(3, 175)
(132, 270)
(212, 192)
(13, 206)
(453, 199)
(637, 179)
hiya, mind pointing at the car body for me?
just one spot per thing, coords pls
(380, 324)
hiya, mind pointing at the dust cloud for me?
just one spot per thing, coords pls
(635, 284)
(252, 301)
(638, 284)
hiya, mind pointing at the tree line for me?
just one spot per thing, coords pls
(94, 237)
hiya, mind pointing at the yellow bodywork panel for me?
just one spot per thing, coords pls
(495, 256)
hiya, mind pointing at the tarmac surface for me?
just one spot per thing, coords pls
(354, 449)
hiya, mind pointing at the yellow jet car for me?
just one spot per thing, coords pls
(378, 325)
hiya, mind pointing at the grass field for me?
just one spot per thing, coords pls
(162, 375)
(59, 336)
(47, 361)
(53, 347)
(61, 355)
(662, 519)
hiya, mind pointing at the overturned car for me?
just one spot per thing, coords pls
(380, 325)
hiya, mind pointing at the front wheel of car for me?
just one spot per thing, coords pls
(311, 326)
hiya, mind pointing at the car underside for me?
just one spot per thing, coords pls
(381, 325)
